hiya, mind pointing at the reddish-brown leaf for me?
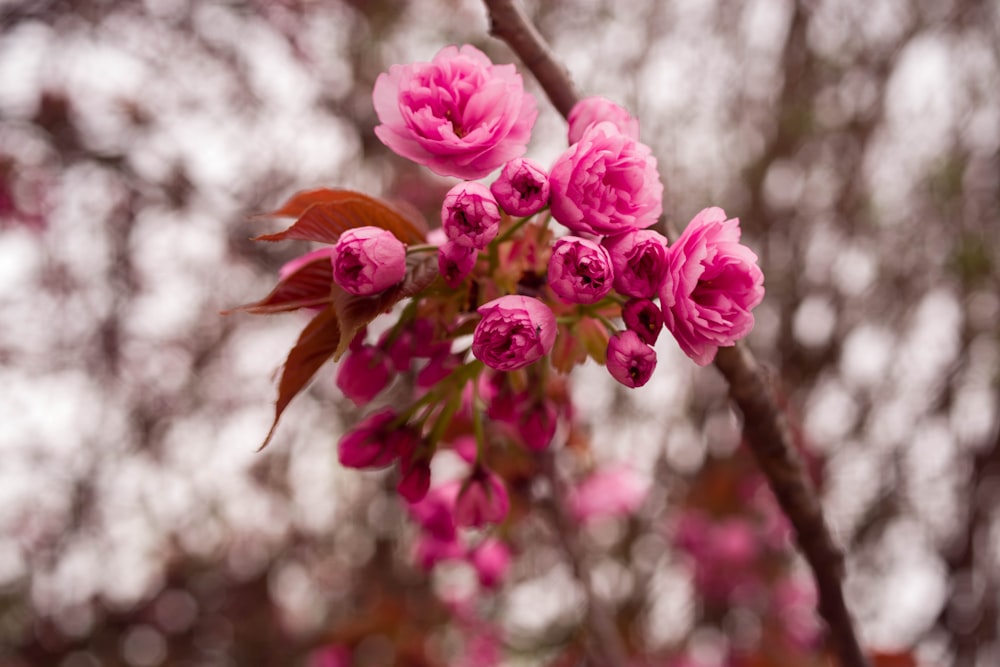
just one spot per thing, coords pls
(309, 286)
(355, 312)
(323, 215)
(316, 344)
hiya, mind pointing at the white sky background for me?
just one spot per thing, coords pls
(58, 423)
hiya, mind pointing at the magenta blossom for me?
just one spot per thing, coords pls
(455, 262)
(536, 424)
(415, 479)
(640, 261)
(515, 331)
(712, 284)
(522, 188)
(630, 361)
(459, 115)
(643, 317)
(591, 110)
(482, 500)
(470, 215)
(369, 444)
(491, 560)
(615, 491)
(580, 271)
(435, 512)
(606, 184)
(362, 374)
(367, 260)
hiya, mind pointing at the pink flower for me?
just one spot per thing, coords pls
(537, 424)
(367, 260)
(643, 317)
(580, 270)
(415, 479)
(470, 215)
(515, 331)
(640, 261)
(712, 284)
(363, 374)
(491, 560)
(369, 444)
(414, 340)
(455, 262)
(436, 511)
(438, 368)
(591, 110)
(522, 188)
(334, 655)
(606, 184)
(459, 115)
(482, 500)
(614, 491)
(630, 361)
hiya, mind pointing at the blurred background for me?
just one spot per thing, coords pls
(859, 144)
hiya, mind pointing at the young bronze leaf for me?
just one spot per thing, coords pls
(355, 312)
(316, 344)
(323, 215)
(309, 286)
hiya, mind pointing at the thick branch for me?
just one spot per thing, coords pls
(764, 427)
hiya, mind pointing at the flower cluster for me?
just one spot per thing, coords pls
(544, 268)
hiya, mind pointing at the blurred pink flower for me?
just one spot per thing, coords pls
(644, 318)
(431, 550)
(367, 260)
(334, 655)
(436, 511)
(579, 270)
(368, 445)
(470, 215)
(613, 491)
(455, 262)
(591, 110)
(515, 331)
(639, 258)
(491, 560)
(459, 115)
(536, 424)
(711, 286)
(363, 373)
(415, 480)
(606, 184)
(630, 361)
(522, 188)
(481, 500)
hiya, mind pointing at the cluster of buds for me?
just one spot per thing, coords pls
(540, 267)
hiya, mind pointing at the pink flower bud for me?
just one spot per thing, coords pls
(367, 260)
(537, 424)
(431, 550)
(470, 215)
(630, 361)
(482, 500)
(712, 284)
(515, 331)
(643, 317)
(606, 184)
(522, 188)
(580, 270)
(369, 444)
(436, 511)
(614, 491)
(415, 480)
(591, 110)
(438, 369)
(639, 258)
(363, 374)
(491, 560)
(460, 115)
(455, 262)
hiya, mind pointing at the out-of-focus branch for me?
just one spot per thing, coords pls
(764, 426)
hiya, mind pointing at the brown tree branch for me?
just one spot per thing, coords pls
(764, 426)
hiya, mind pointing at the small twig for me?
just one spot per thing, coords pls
(763, 424)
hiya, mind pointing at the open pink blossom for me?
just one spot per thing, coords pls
(482, 500)
(515, 331)
(522, 188)
(470, 215)
(367, 260)
(363, 374)
(459, 115)
(613, 491)
(643, 317)
(591, 110)
(606, 184)
(639, 258)
(579, 271)
(630, 361)
(712, 284)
